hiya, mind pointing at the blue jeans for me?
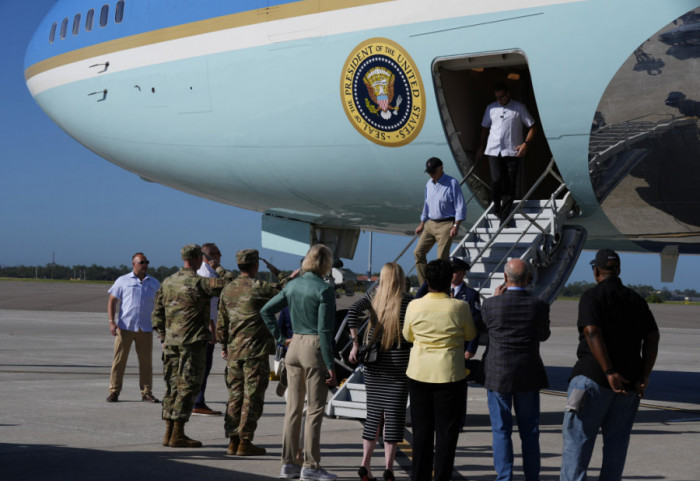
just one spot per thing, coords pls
(527, 413)
(601, 408)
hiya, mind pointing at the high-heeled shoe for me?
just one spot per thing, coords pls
(364, 474)
(388, 475)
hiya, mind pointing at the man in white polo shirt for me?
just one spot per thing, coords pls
(502, 141)
(133, 294)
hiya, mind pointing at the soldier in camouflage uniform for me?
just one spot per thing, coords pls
(180, 317)
(246, 346)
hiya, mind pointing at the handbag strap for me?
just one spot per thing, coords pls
(376, 327)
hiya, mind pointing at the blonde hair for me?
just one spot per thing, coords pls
(387, 304)
(318, 260)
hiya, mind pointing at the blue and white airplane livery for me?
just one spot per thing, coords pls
(320, 114)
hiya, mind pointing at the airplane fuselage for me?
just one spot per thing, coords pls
(291, 108)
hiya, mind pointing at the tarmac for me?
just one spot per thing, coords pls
(55, 357)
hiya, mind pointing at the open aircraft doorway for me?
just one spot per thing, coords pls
(464, 88)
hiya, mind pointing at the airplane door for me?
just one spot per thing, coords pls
(464, 87)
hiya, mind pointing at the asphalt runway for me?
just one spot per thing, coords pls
(55, 358)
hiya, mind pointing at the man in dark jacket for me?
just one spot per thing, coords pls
(516, 323)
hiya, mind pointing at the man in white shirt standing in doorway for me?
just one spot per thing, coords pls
(502, 141)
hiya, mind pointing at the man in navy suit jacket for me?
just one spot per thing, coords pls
(516, 323)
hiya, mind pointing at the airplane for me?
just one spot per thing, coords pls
(320, 114)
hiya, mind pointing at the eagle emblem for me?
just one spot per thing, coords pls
(380, 87)
(382, 92)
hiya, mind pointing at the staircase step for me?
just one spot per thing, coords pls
(504, 237)
(494, 254)
(518, 222)
(356, 392)
(346, 409)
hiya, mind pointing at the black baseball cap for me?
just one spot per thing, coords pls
(432, 164)
(606, 259)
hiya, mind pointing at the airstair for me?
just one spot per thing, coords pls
(535, 231)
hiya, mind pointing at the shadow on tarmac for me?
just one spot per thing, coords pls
(60, 463)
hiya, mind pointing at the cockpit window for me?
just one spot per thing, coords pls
(88, 19)
(64, 28)
(52, 34)
(76, 24)
(104, 14)
(119, 14)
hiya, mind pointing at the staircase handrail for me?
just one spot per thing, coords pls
(518, 209)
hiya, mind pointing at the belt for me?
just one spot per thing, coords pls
(446, 219)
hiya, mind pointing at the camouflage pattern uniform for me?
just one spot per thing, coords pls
(248, 342)
(180, 317)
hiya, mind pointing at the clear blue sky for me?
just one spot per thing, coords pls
(58, 197)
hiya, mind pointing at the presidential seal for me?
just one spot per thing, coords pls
(382, 93)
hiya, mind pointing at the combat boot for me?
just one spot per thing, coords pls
(168, 432)
(246, 448)
(233, 445)
(178, 438)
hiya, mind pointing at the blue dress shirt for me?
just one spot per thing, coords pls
(443, 199)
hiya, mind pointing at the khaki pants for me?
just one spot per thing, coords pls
(306, 378)
(433, 232)
(144, 347)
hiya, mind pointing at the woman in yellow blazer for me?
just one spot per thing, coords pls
(437, 325)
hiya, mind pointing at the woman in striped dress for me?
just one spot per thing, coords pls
(385, 381)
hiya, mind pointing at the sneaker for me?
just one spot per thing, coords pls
(113, 397)
(290, 471)
(320, 474)
(204, 410)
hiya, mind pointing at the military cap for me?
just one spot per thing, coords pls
(606, 259)
(190, 251)
(459, 264)
(247, 256)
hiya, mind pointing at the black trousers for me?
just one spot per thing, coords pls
(436, 413)
(504, 178)
(199, 402)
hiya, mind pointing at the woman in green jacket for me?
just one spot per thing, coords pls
(309, 360)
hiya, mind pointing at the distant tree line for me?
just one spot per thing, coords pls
(92, 273)
(650, 293)
(79, 272)
(101, 273)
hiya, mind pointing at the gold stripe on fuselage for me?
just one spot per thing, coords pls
(242, 19)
